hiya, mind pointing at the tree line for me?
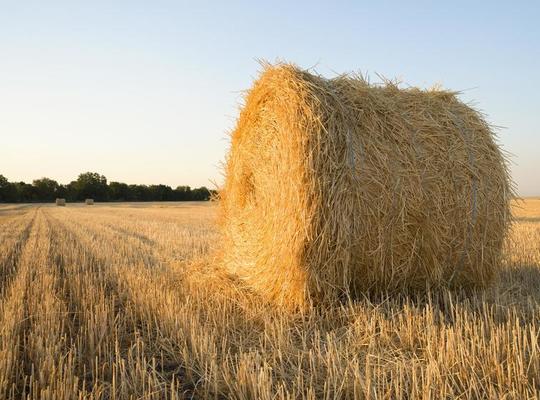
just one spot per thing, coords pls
(94, 186)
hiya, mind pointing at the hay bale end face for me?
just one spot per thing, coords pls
(60, 202)
(337, 186)
(89, 202)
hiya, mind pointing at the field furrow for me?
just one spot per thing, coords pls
(14, 320)
(12, 241)
(112, 353)
(47, 352)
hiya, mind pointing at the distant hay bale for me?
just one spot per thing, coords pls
(336, 186)
(61, 202)
(89, 202)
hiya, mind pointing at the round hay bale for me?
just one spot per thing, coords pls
(60, 202)
(337, 186)
(89, 202)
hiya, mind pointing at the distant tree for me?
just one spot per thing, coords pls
(62, 192)
(182, 193)
(4, 187)
(133, 193)
(119, 191)
(145, 192)
(139, 193)
(160, 193)
(71, 191)
(45, 189)
(91, 185)
(8, 191)
(200, 194)
(25, 192)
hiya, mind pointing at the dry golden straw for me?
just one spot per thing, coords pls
(336, 186)
(89, 202)
(60, 202)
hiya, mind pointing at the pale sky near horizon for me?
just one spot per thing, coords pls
(145, 92)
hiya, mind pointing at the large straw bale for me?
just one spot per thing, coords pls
(89, 202)
(60, 202)
(336, 186)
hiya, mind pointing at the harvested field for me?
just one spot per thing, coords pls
(124, 301)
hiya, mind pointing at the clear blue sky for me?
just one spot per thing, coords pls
(145, 91)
